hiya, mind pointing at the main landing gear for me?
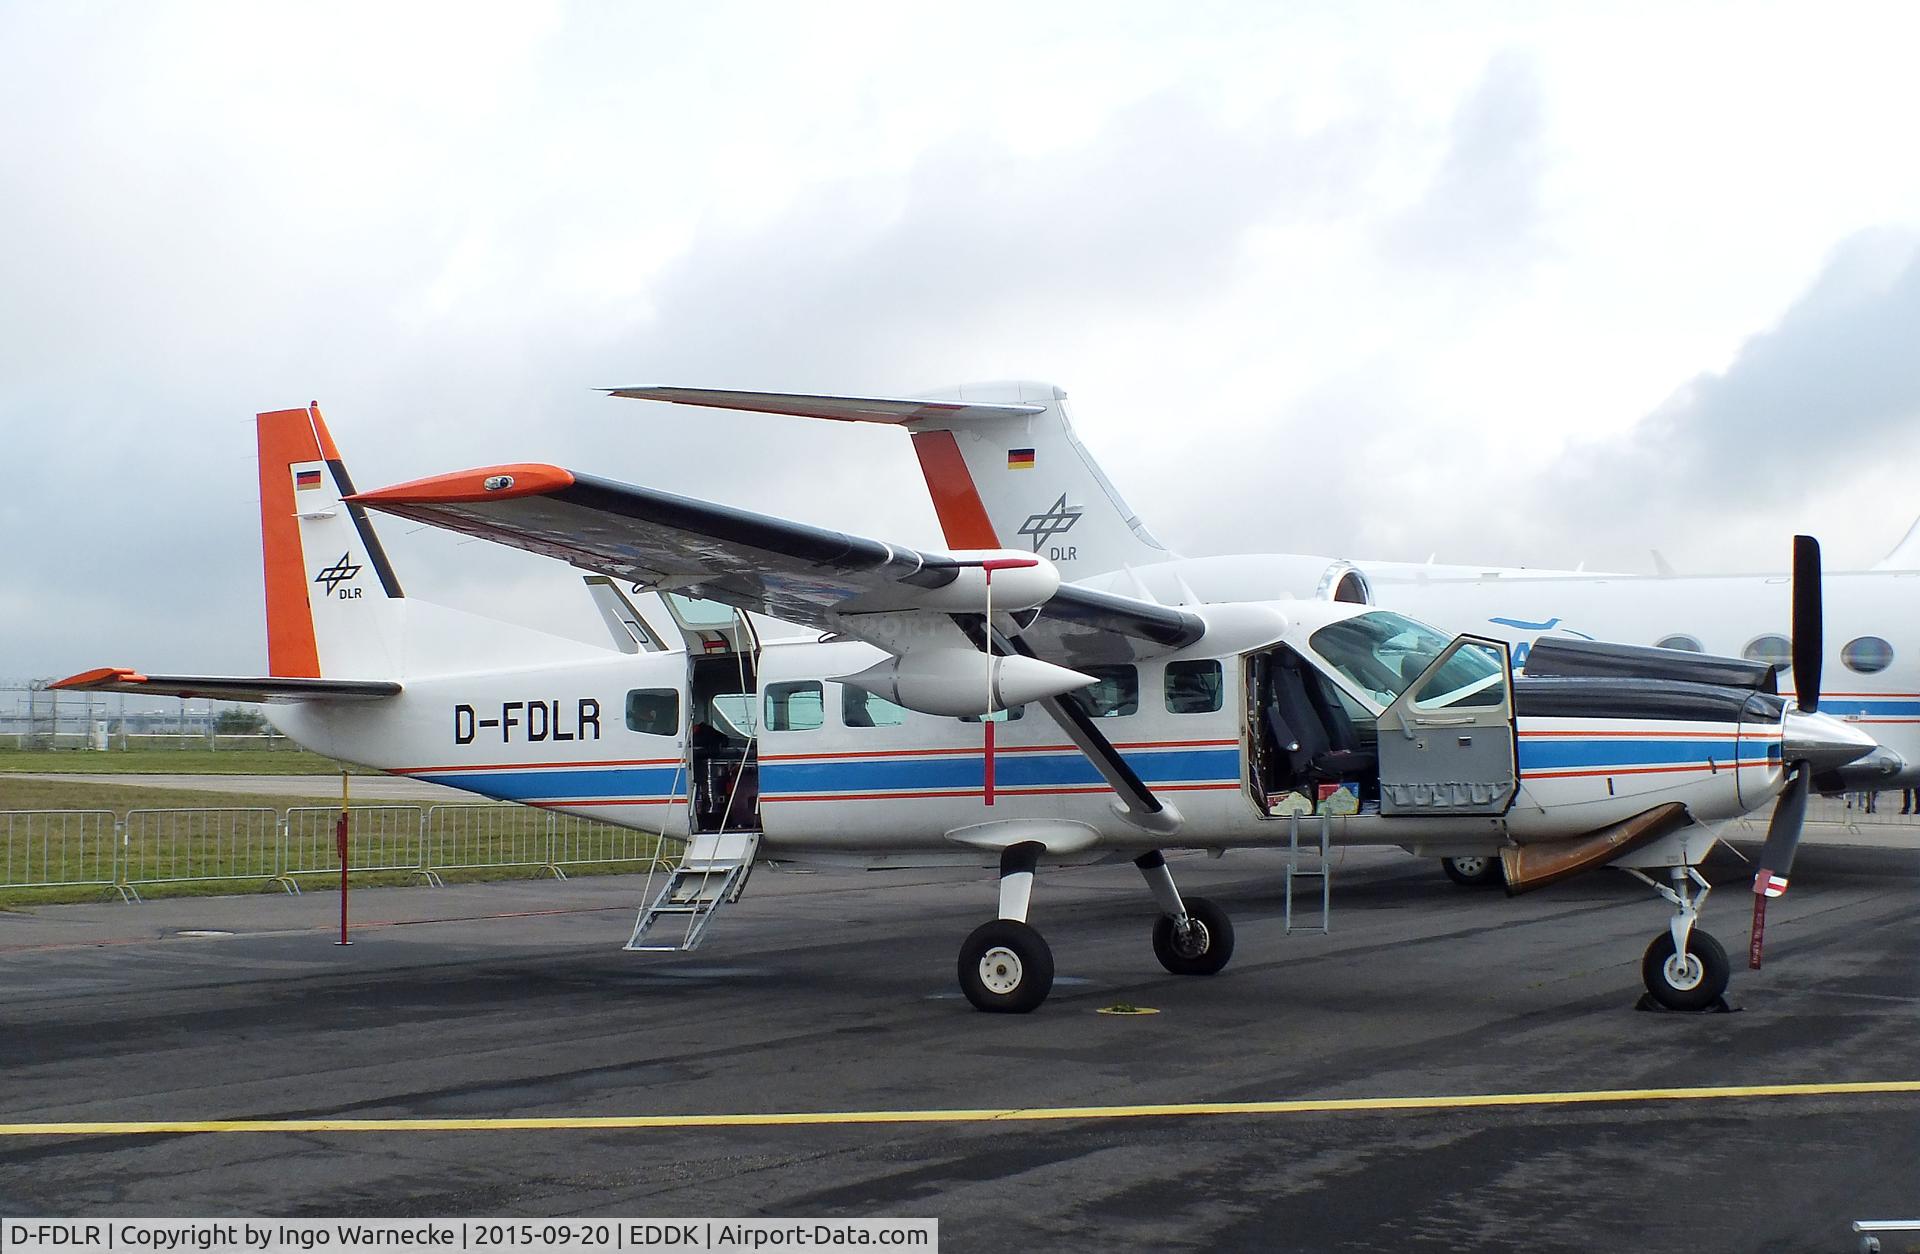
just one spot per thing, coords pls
(1476, 870)
(1684, 968)
(1007, 967)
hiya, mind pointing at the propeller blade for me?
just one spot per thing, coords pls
(1809, 643)
(1783, 833)
(1776, 856)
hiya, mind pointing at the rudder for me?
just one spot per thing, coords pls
(324, 566)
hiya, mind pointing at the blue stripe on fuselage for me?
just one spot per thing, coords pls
(1543, 755)
(1010, 770)
(519, 784)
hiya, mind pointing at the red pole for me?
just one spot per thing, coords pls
(340, 834)
(987, 722)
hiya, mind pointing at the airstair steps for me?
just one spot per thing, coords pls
(1308, 861)
(711, 874)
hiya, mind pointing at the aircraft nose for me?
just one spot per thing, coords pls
(1822, 741)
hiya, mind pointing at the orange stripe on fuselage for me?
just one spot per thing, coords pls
(286, 437)
(955, 498)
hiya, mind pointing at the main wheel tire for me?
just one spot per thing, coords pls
(1693, 984)
(1205, 948)
(1006, 967)
(1476, 870)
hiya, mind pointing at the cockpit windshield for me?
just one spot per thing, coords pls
(1383, 653)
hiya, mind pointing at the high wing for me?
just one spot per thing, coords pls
(787, 570)
(277, 688)
(839, 408)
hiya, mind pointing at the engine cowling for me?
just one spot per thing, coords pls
(1021, 581)
(952, 682)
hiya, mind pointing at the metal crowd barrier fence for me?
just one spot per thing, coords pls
(379, 838)
(93, 848)
(174, 846)
(58, 848)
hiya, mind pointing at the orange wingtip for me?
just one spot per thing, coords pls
(101, 675)
(491, 483)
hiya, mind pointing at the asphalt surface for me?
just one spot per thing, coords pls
(836, 993)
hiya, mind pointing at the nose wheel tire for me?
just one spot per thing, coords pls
(1476, 871)
(1693, 982)
(1203, 948)
(1006, 967)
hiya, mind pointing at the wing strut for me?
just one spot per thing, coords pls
(1137, 803)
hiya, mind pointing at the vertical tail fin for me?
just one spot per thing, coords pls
(1000, 461)
(325, 569)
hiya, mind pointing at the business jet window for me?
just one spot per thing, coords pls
(860, 708)
(1867, 654)
(653, 711)
(1687, 643)
(1772, 650)
(795, 706)
(1115, 691)
(1193, 687)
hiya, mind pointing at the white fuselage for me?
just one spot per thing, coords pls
(560, 737)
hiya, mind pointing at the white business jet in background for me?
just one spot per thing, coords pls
(970, 705)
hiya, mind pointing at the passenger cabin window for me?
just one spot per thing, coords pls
(1867, 654)
(1114, 693)
(796, 706)
(1194, 687)
(860, 708)
(1685, 643)
(653, 711)
(1772, 650)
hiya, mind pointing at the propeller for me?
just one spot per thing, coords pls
(1809, 642)
(1790, 811)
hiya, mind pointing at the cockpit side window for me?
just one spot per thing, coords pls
(1381, 652)
(1470, 679)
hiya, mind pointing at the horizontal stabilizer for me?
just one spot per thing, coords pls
(229, 687)
(838, 408)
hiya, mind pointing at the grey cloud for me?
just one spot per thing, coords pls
(1482, 206)
(1833, 387)
(1807, 409)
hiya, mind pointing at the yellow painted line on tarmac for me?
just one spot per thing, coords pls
(1013, 1114)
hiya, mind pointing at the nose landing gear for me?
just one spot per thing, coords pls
(1684, 968)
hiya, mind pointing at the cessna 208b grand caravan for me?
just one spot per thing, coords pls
(970, 706)
(1003, 466)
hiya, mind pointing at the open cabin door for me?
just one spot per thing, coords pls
(723, 761)
(1447, 743)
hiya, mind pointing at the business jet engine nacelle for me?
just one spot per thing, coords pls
(952, 682)
(1021, 581)
(1309, 578)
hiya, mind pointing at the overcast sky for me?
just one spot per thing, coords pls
(1522, 284)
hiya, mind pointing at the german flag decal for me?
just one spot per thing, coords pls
(1019, 459)
(306, 478)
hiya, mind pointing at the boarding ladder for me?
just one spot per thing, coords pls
(1309, 862)
(711, 874)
